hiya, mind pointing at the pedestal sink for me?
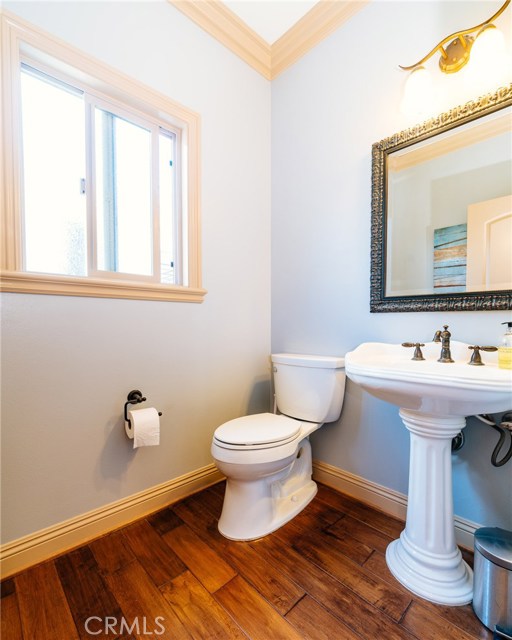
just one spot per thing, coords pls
(434, 400)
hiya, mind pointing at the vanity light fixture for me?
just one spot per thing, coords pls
(455, 49)
(488, 69)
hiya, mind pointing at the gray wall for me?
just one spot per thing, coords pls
(327, 110)
(68, 363)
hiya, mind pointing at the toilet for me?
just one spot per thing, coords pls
(266, 457)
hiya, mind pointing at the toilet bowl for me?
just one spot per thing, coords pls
(266, 457)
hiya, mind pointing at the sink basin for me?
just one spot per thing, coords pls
(455, 389)
(434, 399)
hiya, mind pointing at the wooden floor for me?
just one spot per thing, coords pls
(172, 575)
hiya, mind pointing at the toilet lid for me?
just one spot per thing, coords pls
(258, 429)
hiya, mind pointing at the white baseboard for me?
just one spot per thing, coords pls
(387, 500)
(57, 539)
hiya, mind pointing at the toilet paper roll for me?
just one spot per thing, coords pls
(144, 427)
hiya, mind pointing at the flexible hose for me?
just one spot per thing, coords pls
(458, 441)
(506, 419)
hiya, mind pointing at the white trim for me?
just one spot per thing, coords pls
(270, 60)
(323, 19)
(59, 538)
(387, 500)
(20, 282)
(228, 29)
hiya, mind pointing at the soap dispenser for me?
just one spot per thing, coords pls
(505, 348)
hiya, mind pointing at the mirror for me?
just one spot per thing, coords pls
(442, 212)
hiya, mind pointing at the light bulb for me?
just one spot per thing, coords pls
(418, 98)
(488, 46)
(487, 68)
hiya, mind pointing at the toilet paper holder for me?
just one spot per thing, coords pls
(134, 397)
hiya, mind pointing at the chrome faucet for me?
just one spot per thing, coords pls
(444, 338)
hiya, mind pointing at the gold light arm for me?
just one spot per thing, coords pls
(457, 34)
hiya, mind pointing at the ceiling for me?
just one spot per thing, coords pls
(270, 19)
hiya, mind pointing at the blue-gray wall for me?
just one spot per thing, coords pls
(327, 110)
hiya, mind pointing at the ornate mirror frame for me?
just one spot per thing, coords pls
(467, 301)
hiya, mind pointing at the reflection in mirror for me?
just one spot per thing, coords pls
(442, 211)
(448, 207)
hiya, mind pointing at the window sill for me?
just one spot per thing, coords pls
(58, 285)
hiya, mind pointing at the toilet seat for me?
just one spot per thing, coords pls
(258, 431)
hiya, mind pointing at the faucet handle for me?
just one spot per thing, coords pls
(476, 358)
(417, 350)
(439, 335)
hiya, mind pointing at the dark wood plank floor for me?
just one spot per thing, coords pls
(172, 575)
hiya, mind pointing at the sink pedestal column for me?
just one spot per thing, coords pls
(426, 559)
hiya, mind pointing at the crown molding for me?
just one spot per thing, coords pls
(226, 27)
(322, 20)
(270, 60)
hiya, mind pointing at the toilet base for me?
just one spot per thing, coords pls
(265, 513)
(262, 497)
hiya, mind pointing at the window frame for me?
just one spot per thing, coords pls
(23, 42)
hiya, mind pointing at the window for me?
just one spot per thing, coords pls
(101, 185)
(123, 217)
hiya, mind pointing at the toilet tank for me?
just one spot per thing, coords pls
(309, 387)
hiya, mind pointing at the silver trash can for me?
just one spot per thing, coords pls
(492, 590)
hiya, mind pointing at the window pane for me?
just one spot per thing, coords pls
(54, 208)
(123, 195)
(167, 203)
